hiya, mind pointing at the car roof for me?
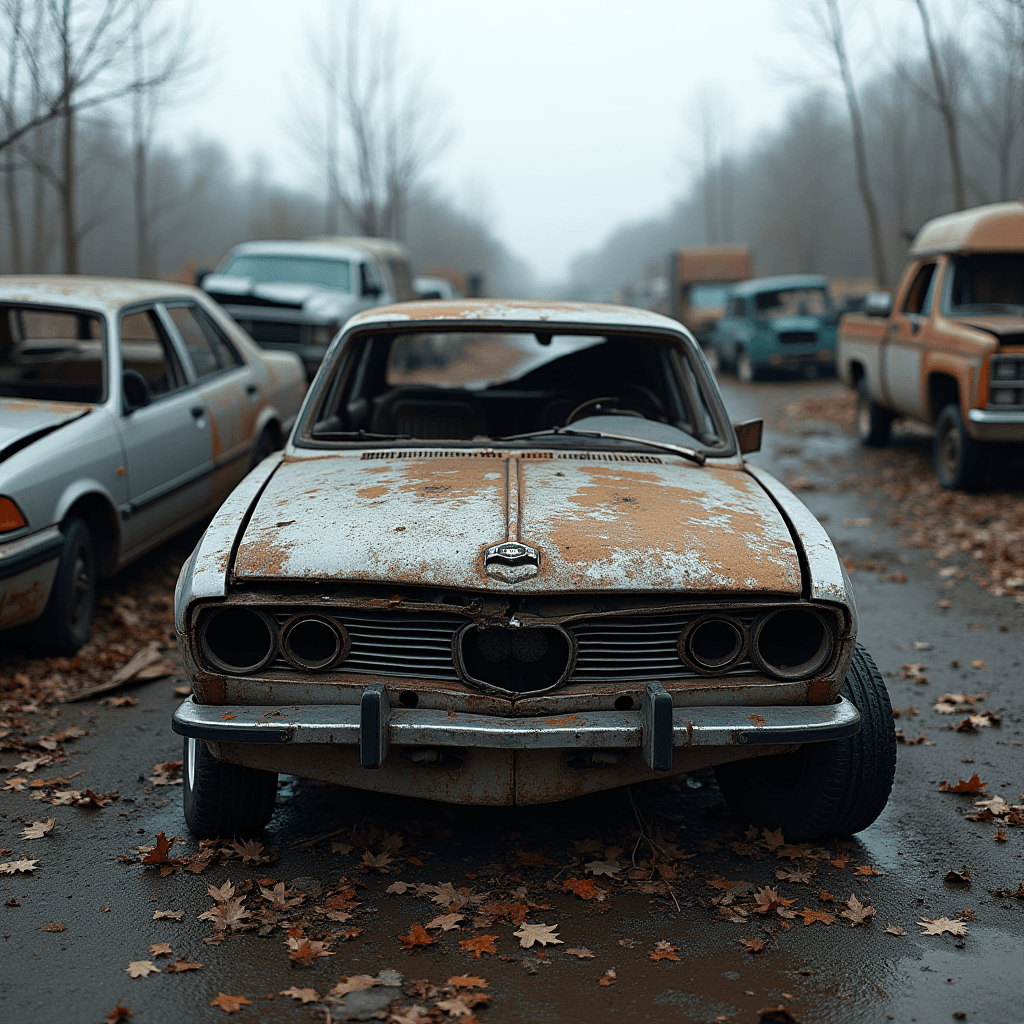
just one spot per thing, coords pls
(504, 311)
(995, 227)
(382, 247)
(97, 294)
(297, 247)
(778, 283)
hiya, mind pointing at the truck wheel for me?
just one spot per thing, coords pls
(874, 424)
(959, 459)
(746, 371)
(823, 790)
(66, 621)
(223, 799)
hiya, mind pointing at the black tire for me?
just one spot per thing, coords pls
(960, 461)
(66, 621)
(266, 444)
(223, 799)
(746, 369)
(823, 790)
(874, 424)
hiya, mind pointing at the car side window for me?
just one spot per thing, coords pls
(208, 349)
(146, 349)
(370, 278)
(918, 300)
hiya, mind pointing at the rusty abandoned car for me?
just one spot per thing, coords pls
(512, 554)
(128, 411)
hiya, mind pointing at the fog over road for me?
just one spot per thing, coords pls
(89, 878)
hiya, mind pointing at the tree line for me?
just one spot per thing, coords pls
(860, 162)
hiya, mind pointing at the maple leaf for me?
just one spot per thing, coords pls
(857, 912)
(664, 951)
(174, 915)
(15, 785)
(792, 875)
(604, 867)
(303, 995)
(767, 899)
(181, 965)
(961, 877)
(417, 937)
(582, 887)
(752, 945)
(119, 1013)
(866, 869)
(840, 862)
(447, 922)
(304, 951)
(810, 916)
(249, 851)
(23, 865)
(826, 897)
(774, 840)
(580, 951)
(53, 926)
(480, 944)
(38, 829)
(466, 981)
(399, 887)
(32, 764)
(446, 895)
(230, 1004)
(227, 914)
(281, 896)
(608, 978)
(375, 862)
(358, 982)
(141, 969)
(159, 949)
(412, 1015)
(942, 924)
(455, 1007)
(721, 883)
(166, 774)
(972, 785)
(158, 855)
(895, 929)
(528, 934)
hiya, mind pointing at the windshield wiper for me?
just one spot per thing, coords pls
(677, 449)
(357, 435)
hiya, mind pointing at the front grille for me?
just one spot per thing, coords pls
(798, 338)
(273, 332)
(392, 643)
(638, 647)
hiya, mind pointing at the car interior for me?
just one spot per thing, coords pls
(474, 385)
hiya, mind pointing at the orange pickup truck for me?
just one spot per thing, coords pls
(949, 350)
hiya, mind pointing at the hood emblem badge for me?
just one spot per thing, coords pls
(511, 561)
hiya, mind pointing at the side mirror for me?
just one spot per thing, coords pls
(134, 391)
(878, 303)
(748, 433)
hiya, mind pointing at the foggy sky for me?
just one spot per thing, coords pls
(568, 116)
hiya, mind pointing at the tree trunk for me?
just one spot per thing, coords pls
(142, 262)
(67, 193)
(14, 216)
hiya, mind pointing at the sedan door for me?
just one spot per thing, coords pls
(167, 442)
(229, 391)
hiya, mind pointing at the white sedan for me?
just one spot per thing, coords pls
(128, 411)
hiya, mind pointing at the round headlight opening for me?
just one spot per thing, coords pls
(714, 644)
(314, 643)
(238, 640)
(792, 643)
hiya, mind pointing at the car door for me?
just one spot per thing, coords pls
(229, 390)
(903, 351)
(167, 442)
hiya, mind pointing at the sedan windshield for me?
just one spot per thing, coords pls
(52, 355)
(791, 302)
(334, 275)
(501, 386)
(988, 282)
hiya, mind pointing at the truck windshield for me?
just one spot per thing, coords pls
(50, 354)
(792, 302)
(708, 294)
(987, 282)
(334, 275)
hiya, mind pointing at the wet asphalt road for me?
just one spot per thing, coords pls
(835, 973)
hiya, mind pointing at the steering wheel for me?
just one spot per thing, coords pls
(635, 400)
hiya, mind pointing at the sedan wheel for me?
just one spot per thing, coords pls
(959, 459)
(745, 369)
(67, 620)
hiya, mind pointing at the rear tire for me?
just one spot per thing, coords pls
(222, 799)
(66, 621)
(746, 371)
(874, 424)
(959, 459)
(266, 445)
(823, 790)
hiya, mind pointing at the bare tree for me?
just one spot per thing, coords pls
(13, 18)
(379, 129)
(709, 116)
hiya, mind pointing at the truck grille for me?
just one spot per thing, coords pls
(273, 332)
(798, 338)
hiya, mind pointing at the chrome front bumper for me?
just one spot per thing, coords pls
(996, 425)
(657, 728)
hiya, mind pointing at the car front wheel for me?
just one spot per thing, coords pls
(959, 459)
(874, 424)
(66, 621)
(823, 790)
(223, 799)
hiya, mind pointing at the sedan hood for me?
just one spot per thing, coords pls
(598, 522)
(24, 420)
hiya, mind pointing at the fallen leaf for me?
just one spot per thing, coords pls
(528, 934)
(53, 926)
(141, 969)
(303, 995)
(866, 869)
(167, 773)
(467, 981)
(447, 922)
(230, 1004)
(399, 887)
(480, 944)
(792, 875)
(180, 965)
(581, 951)
(664, 951)
(607, 979)
(978, 663)
(15, 785)
(159, 949)
(375, 862)
(895, 929)
(752, 945)
(119, 1013)
(455, 1007)
(972, 785)
(857, 912)
(304, 951)
(939, 925)
(961, 877)
(22, 865)
(249, 850)
(32, 764)
(604, 867)
(158, 855)
(38, 829)
(280, 896)
(773, 840)
(916, 672)
(417, 937)
(810, 916)
(174, 915)
(582, 887)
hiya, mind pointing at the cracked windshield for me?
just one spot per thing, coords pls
(511, 513)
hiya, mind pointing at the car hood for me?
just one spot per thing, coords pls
(600, 522)
(23, 421)
(244, 291)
